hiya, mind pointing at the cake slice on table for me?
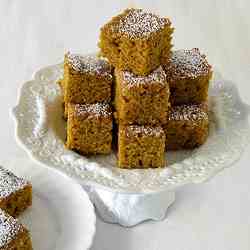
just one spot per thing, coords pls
(86, 80)
(141, 147)
(13, 235)
(89, 128)
(188, 74)
(141, 99)
(15, 193)
(187, 126)
(136, 41)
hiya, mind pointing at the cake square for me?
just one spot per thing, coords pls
(136, 41)
(87, 79)
(141, 147)
(141, 100)
(188, 74)
(89, 128)
(187, 126)
(15, 193)
(13, 235)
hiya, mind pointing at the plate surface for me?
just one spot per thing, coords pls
(62, 216)
(41, 131)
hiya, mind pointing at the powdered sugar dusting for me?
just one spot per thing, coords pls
(96, 109)
(187, 64)
(9, 228)
(195, 112)
(157, 76)
(140, 24)
(135, 130)
(90, 64)
(9, 183)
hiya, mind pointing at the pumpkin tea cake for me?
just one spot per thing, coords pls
(141, 147)
(13, 235)
(141, 99)
(188, 74)
(136, 41)
(89, 128)
(87, 79)
(187, 126)
(15, 193)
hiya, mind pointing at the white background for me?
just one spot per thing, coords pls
(33, 34)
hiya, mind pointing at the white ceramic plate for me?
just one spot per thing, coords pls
(41, 131)
(62, 216)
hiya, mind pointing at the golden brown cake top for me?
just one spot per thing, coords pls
(187, 64)
(193, 112)
(90, 64)
(9, 228)
(137, 23)
(157, 76)
(136, 130)
(10, 183)
(93, 110)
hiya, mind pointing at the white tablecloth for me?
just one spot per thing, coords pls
(33, 34)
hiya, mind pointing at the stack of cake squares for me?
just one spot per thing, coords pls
(15, 198)
(87, 85)
(158, 96)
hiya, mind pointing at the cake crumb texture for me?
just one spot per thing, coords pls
(136, 41)
(12, 234)
(188, 74)
(187, 126)
(15, 193)
(89, 128)
(141, 147)
(141, 100)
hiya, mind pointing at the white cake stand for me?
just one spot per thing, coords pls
(129, 197)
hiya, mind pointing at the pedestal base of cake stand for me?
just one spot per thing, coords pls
(130, 209)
